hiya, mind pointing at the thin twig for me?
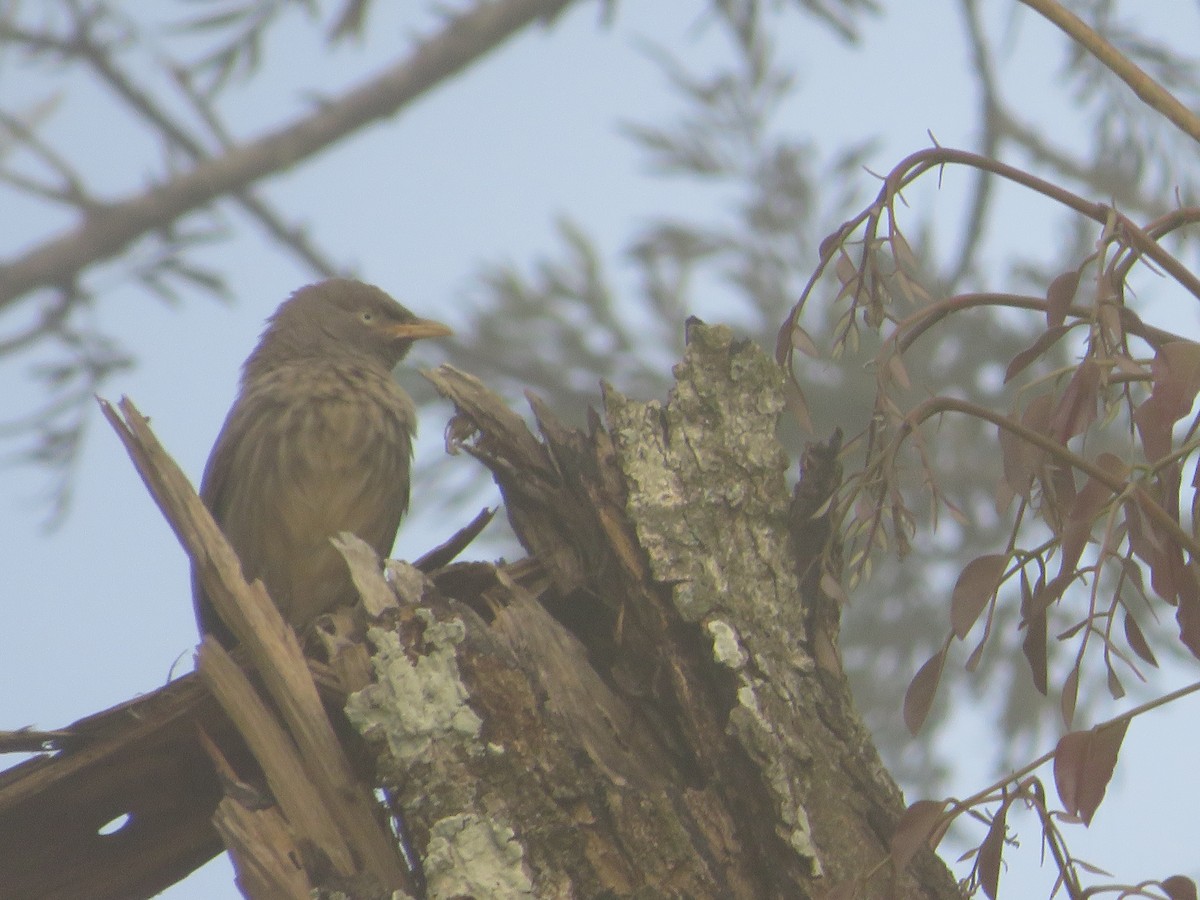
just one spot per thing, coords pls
(1147, 89)
(109, 231)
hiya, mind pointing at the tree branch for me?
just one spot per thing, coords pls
(1148, 90)
(107, 231)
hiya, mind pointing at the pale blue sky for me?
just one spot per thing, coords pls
(99, 610)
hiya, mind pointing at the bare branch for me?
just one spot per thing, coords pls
(71, 191)
(111, 228)
(1148, 90)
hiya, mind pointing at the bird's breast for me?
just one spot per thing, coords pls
(317, 451)
(348, 443)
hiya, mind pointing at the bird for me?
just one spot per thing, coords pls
(318, 441)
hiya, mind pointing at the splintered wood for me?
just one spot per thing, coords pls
(649, 703)
(330, 811)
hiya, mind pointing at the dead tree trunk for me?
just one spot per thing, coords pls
(653, 707)
(650, 704)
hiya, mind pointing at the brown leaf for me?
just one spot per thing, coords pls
(1133, 576)
(1034, 645)
(1137, 640)
(1187, 616)
(1179, 887)
(1126, 365)
(1047, 594)
(1083, 766)
(1070, 694)
(1037, 412)
(1045, 341)
(1076, 409)
(1176, 374)
(976, 585)
(990, 852)
(1067, 633)
(1183, 367)
(918, 699)
(1032, 786)
(906, 259)
(845, 270)
(1115, 688)
(828, 243)
(803, 342)
(1058, 491)
(1059, 296)
(955, 513)
(1068, 766)
(1019, 463)
(1113, 465)
(1084, 509)
(797, 403)
(899, 374)
(1154, 423)
(976, 656)
(914, 829)
(1022, 459)
(1145, 545)
(1109, 317)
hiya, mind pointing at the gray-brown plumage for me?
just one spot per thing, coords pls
(319, 441)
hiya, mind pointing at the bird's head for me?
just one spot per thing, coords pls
(341, 318)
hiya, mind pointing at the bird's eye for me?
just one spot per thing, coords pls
(366, 316)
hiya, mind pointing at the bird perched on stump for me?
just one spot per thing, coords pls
(319, 441)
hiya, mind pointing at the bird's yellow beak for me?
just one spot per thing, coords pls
(420, 328)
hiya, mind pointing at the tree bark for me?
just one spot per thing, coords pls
(652, 704)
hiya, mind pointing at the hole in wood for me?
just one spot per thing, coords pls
(115, 825)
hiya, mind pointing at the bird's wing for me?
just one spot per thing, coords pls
(215, 490)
